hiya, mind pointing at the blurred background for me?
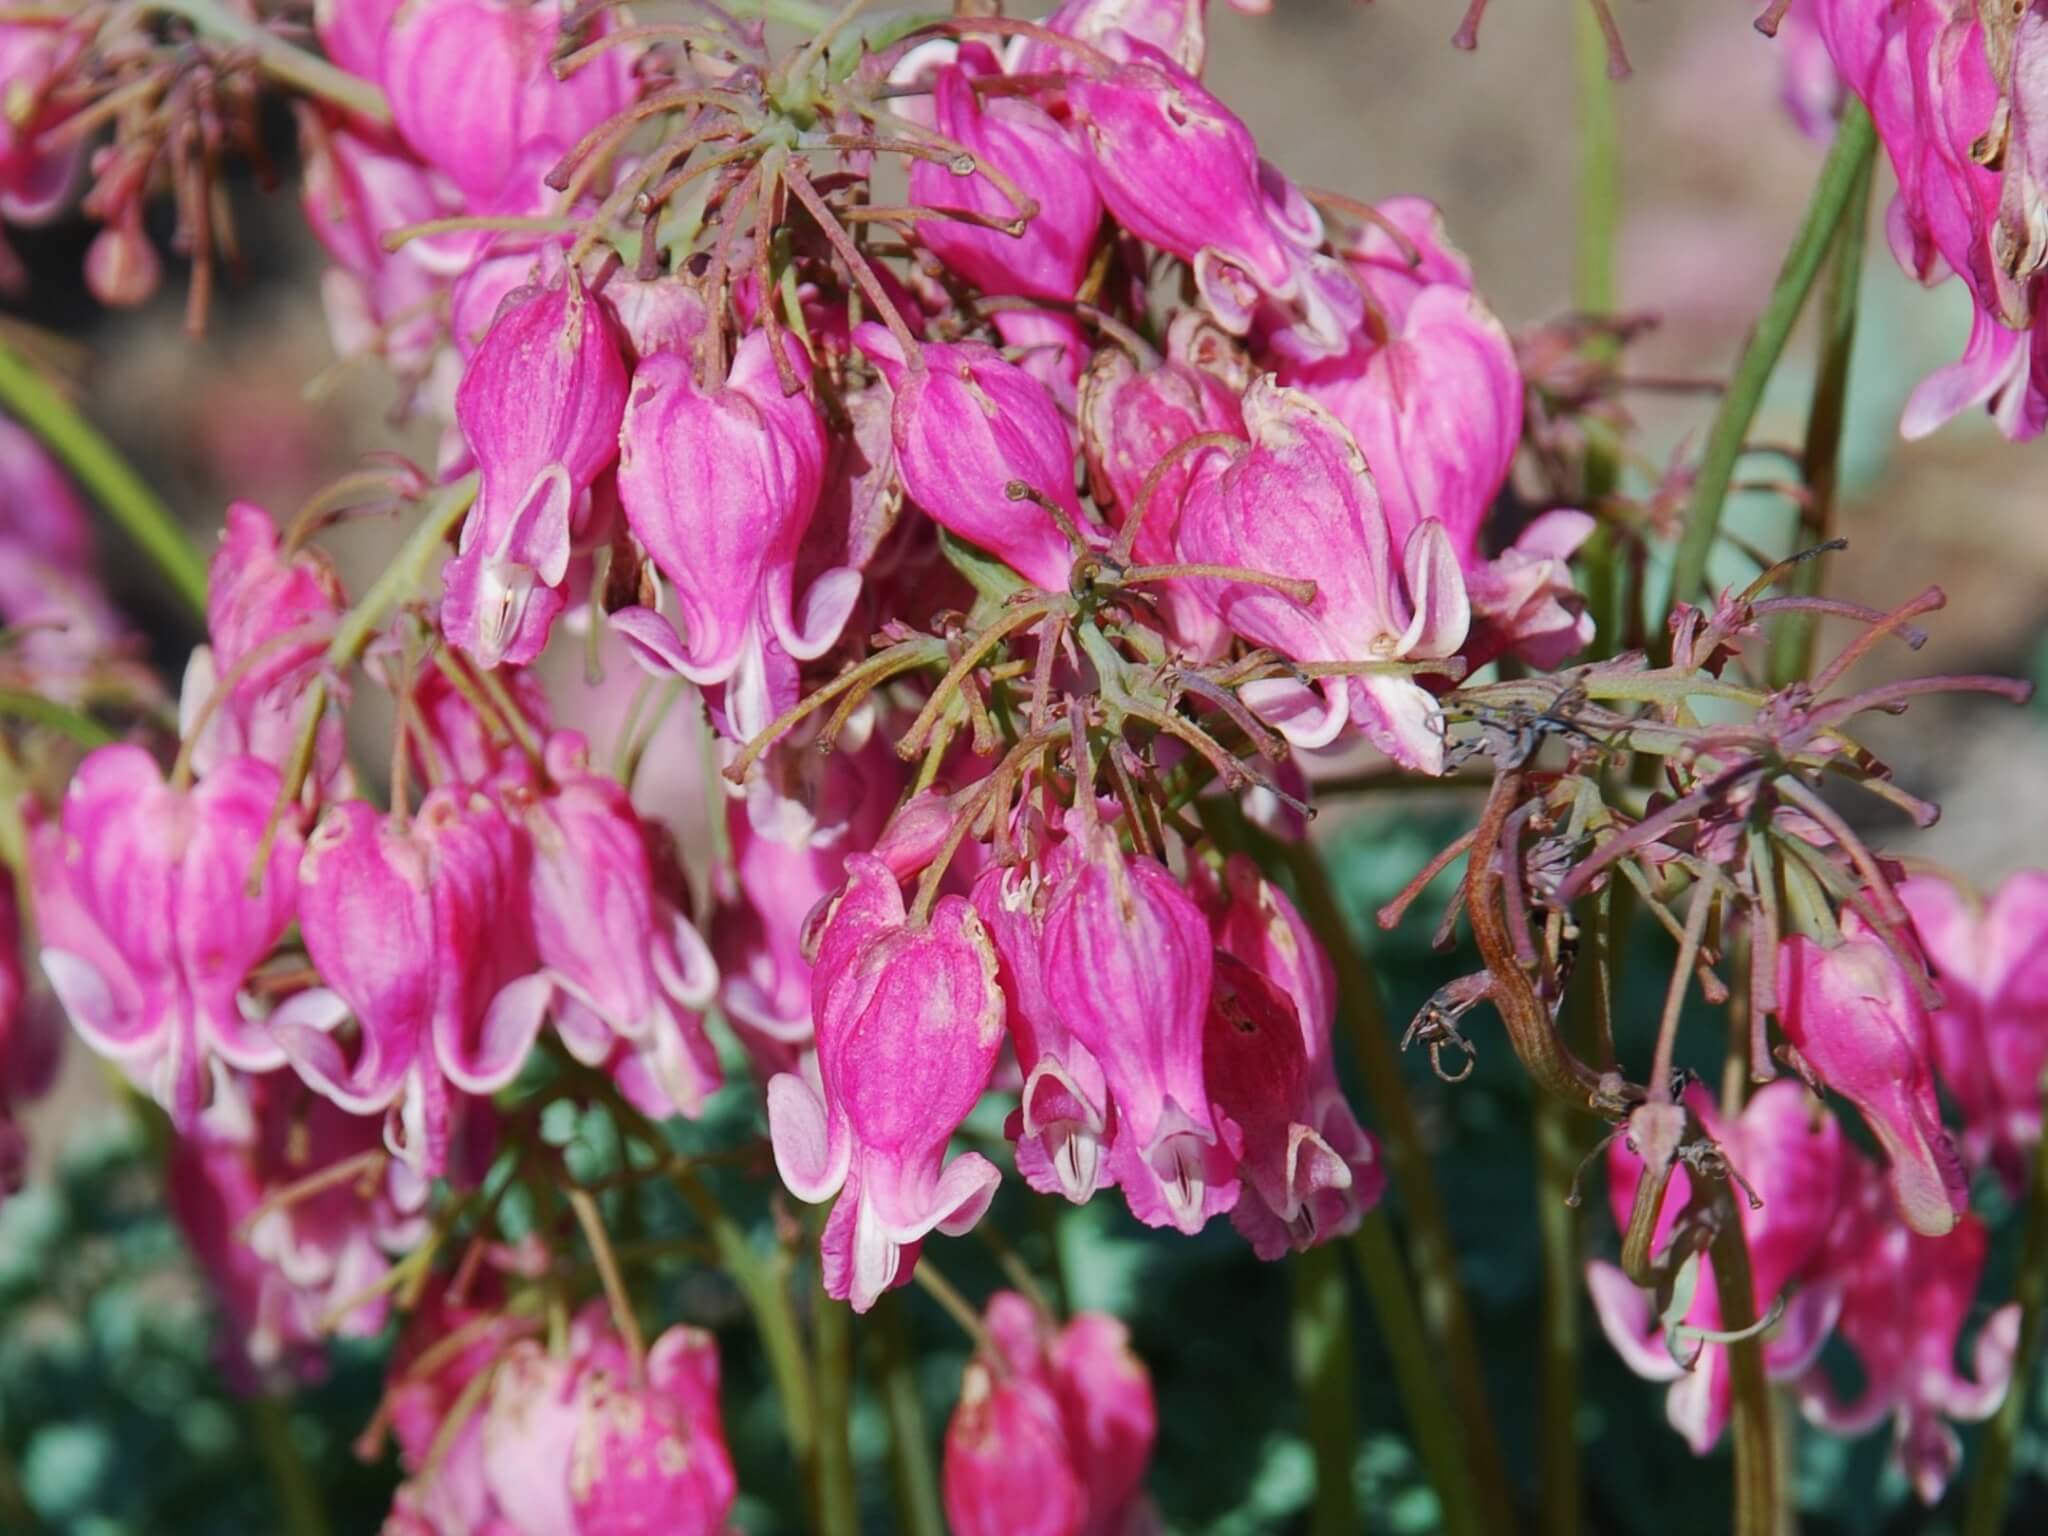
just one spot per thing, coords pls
(109, 1404)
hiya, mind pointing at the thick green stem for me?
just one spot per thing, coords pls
(1557, 1162)
(297, 68)
(1756, 1441)
(1446, 1314)
(1846, 168)
(838, 1501)
(1821, 456)
(917, 1487)
(1424, 1393)
(1993, 1483)
(27, 395)
(1321, 1327)
(300, 1510)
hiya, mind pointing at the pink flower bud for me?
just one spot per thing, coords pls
(147, 925)
(1990, 1035)
(651, 316)
(630, 975)
(1797, 1166)
(1021, 140)
(257, 601)
(1852, 1014)
(122, 268)
(1904, 1299)
(967, 426)
(1298, 501)
(720, 486)
(909, 1021)
(1178, 169)
(419, 933)
(472, 86)
(1128, 963)
(539, 406)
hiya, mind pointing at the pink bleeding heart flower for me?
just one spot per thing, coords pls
(1990, 1035)
(720, 486)
(1298, 501)
(1053, 1429)
(1796, 1161)
(269, 613)
(1022, 141)
(35, 180)
(1904, 1299)
(148, 926)
(630, 976)
(909, 1020)
(653, 315)
(1128, 964)
(968, 427)
(1855, 1019)
(352, 33)
(539, 407)
(419, 932)
(472, 86)
(1262, 928)
(1257, 1068)
(1393, 272)
(1065, 1120)
(1175, 28)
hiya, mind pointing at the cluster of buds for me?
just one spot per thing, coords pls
(1019, 548)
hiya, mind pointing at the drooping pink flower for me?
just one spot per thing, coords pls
(539, 407)
(419, 932)
(1793, 1155)
(719, 486)
(1298, 501)
(966, 427)
(36, 178)
(1052, 1436)
(909, 1020)
(472, 87)
(629, 975)
(1854, 1017)
(1065, 1120)
(1904, 1299)
(1262, 928)
(148, 926)
(1128, 964)
(1990, 1035)
(1038, 155)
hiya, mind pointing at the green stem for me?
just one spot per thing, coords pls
(1604, 560)
(1321, 1328)
(1557, 1162)
(1445, 1312)
(1417, 1377)
(25, 393)
(838, 1504)
(1992, 1485)
(1847, 166)
(294, 66)
(1821, 457)
(1756, 1441)
(917, 1487)
(37, 710)
(300, 1510)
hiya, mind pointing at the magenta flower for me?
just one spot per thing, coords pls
(1260, 926)
(1052, 1436)
(1175, 27)
(35, 180)
(720, 487)
(148, 927)
(1065, 1119)
(629, 975)
(1298, 501)
(1128, 964)
(966, 427)
(649, 1454)
(1797, 1163)
(268, 614)
(539, 407)
(1020, 139)
(472, 88)
(1990, 1035)
(420, 935)
(1853, 1016)
(909, 1020)
(1903, 1300)
(352, 33)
